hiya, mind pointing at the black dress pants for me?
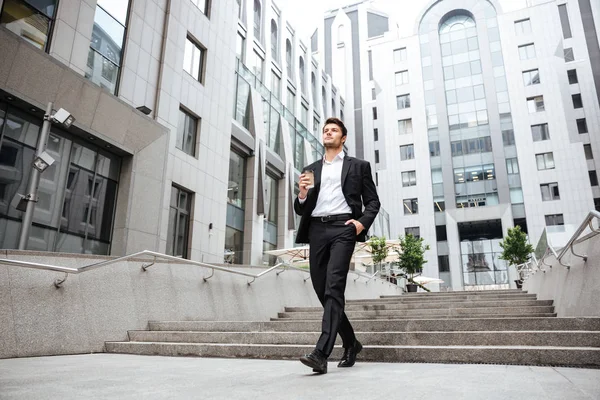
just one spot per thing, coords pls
(331, 248)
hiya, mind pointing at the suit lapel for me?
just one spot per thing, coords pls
(318, 171)
(345, 169)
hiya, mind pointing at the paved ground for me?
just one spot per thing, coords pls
(115, 376)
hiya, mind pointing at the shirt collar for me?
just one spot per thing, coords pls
(340, 155)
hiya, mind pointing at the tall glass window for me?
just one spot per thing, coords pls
(106, 48)
(187, 132)
(180, 211)
(77, 194)
(257, 20)
(274, 41)
(288, 59)
(270, 222)
(234, 231)
(31, 20)
(302, 77)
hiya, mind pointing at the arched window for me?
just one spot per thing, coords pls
(341, 34)
(288, 58)
(324, 101)
(313, 84)
(301, 72)
(333, 112)
(257, 20)
(274, 41)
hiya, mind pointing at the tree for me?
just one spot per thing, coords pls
(411, 255)
(515, 248)
(379, 249)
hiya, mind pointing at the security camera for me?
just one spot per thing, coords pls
(64, 117)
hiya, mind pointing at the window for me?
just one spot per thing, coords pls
(587, 149)
(554, 219)
(291, 101)
(527, 51)
(186, 133)
(582, 126)
(440, 233)
(202, 5)
(593, 178)
(301, 72)
(577, 103)
(274, 41)
(275, 84)
(288, 59)
(564, 21)
(193, 59)
(313, 87)
(413, 230)
(544, 161)
(108, 34)
(256, 64)
(370, 58)
(374, 113)
(31, 20)
(409, 178)
(508, 137)
(405, 126)
(401, 78)
(471, 146)
(403, 101)
(443, 264)
(376, 156)
(569, 55)
(304, 115)
(523, 27)
(399, 55)
(597, 204)
(434, 149)
(237, 180)
(240, 47)
(572, 74)
(373, 94)
(179, 222)
(411, 206)
(512, 166)
(531, 77)
(375, 134)
(550, 191)
(257, 20)
(407, 152)
(540, 132)
(535, 104)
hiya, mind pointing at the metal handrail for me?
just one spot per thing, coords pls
(71, 270)
(575, 239)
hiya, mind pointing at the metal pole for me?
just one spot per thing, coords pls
(34, 180)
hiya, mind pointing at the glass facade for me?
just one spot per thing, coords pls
(482, 264)
(77, 194)
(106, 48)
(273, 110)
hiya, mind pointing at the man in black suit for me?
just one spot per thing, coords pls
(332, 222)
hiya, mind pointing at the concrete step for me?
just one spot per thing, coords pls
(424, 300)
(460, 293)
(412, 306)
(398, 325)
(465, 338)
(383, 317)
(438, 312)
(522, 355)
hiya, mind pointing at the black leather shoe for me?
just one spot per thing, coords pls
(349, 357)
(316, 361)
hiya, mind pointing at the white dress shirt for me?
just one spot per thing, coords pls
(331, 200)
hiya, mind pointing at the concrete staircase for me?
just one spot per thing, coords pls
(496, 327)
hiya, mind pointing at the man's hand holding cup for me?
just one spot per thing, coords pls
(307, 181)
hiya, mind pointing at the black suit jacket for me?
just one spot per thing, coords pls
(358, 188)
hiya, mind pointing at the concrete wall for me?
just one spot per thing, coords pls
(575, 291)
(103, 304)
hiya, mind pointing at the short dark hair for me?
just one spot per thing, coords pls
(338, 122)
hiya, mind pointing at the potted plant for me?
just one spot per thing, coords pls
(516, 250)
(411, 258)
